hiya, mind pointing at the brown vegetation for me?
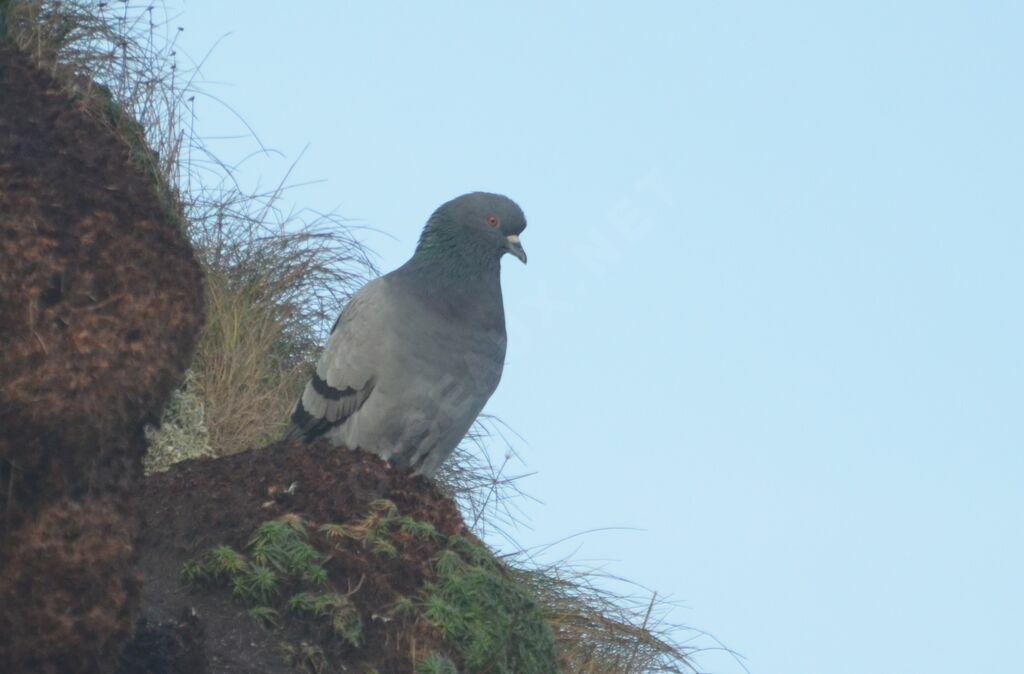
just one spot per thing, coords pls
(100, 304)
(69, 589)
(100, 296)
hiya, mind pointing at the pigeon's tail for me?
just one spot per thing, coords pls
(305, 427)
(296, 429)
(294, 432)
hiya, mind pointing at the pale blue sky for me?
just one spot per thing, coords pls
(772, 315)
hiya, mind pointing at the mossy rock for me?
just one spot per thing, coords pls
(467, 612)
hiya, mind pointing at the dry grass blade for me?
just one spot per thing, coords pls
(600, 632)
(276, 282)
(486, 491)
(125, 49)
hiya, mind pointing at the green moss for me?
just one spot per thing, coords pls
(376, 530)
(488, 619)
(338, 609)
(257, 585)
(436, 664)
(491, 620)
(417, 529)
(495, 622)
(305, 657)
(284, 545)
(280, 556)
(264, 615)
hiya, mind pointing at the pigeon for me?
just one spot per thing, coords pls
(416, 353)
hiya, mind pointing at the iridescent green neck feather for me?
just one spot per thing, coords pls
(448, 249)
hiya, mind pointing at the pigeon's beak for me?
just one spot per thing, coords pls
(513, 246)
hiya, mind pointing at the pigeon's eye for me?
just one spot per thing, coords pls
(493, 220)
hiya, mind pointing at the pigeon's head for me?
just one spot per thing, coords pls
(490, 223)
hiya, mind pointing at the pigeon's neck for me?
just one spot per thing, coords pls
(457, 280)
(448, 254)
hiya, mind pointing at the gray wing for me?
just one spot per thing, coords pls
(344, 377)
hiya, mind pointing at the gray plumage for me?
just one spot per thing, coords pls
(416, 353)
